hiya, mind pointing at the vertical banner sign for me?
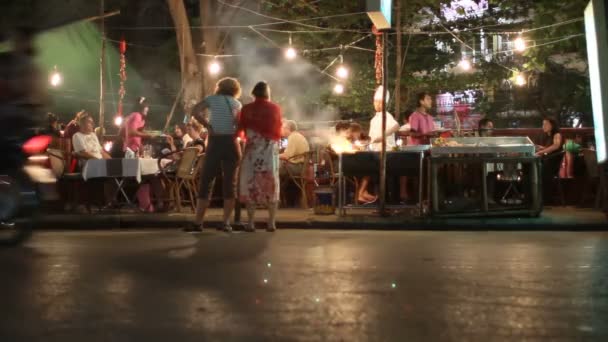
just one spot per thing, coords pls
(379, 11)
(596, 31)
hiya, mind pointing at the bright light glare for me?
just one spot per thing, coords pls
(342, 72)
(291, 53)
(108, 146)
(520, 80)
(56, 79)
(214, 68)
(118, 121)
(520, 44)
(339, 89)
(465, 64)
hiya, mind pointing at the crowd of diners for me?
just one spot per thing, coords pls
(244, 143)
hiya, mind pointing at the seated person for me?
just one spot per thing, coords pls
(360, 141)
(85, 143)
(296, 145)
(485, 127)
(195, 130)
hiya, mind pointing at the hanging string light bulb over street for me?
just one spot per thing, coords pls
(290, 52)
(342, 71)
(465, 64)
(339, 89)
(214, 67)
(520, 79)
(55, 78)
(519, 44)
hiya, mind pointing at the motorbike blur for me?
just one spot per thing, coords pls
(24, 164)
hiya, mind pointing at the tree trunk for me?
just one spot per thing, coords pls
(398, 63)
(209, 13)
(192, 81)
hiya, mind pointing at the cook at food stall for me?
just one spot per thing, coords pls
(375, 125)
(421, 121)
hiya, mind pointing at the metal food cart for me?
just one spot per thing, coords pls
(508, 164)
(406, 161)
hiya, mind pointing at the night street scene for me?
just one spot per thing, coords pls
(303, 170)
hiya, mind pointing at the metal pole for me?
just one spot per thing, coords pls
(102, 65)
(382, 196)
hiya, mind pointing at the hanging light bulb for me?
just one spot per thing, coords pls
(118, 121)
(339, 89)
(342, 72)
(520, 80)
(55, 79)
(520, 44)
(214, 67)
(290, 52)
(465, 64)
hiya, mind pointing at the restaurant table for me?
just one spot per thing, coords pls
(120, 170)
(407, 161)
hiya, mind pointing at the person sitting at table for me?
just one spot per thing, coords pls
(195, 130)
(85, 143)
(52, 128)
(549, 150)
(72, 126)
(421, 121)
(296, 145)
(359, 141)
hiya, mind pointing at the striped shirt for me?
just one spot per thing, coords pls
(222, 118)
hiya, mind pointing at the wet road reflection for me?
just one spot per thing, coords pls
(307, 286)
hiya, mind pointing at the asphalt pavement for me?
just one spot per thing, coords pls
(306, 285)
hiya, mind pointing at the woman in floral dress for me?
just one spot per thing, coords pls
(259, 175)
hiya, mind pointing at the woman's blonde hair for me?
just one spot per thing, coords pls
(228, 86)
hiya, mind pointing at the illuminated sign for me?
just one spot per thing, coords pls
(597, 50)
(380, 12)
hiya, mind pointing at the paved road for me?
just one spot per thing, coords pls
(298, 285)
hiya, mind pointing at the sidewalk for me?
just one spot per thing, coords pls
(555, 218)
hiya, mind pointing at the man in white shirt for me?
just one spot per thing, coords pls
(375, 127)
(85, 143)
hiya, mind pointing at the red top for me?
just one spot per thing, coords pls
(263, 117)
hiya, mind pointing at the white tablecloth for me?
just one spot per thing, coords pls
(120, 168)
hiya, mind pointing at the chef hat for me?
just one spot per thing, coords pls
(378, 95)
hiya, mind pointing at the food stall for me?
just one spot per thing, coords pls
(404, 161)
(484, 176)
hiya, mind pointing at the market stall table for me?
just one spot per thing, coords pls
(407, 161)
(509, 160)
(120, 170)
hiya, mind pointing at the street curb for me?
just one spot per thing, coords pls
(106, 222)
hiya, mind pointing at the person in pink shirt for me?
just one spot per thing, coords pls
(134, 126)
(421, 121)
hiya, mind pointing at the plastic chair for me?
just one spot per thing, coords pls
(59, 166)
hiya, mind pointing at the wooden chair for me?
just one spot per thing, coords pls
(184, 178)
(303, 178)
(59, 166)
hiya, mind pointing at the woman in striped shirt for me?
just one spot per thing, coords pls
(223, 152)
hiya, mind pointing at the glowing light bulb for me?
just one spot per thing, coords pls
(465, 64)
(291, 53)
(399, 142)
(394, 285)
(268, 265)
(265, 281)
(520, 80)
(342, 72)
(520, 44)
(56, 78)
(108, 146)
(214, 68)
(339, 89)
(118, 121)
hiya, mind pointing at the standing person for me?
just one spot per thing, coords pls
(133, 129)
(421, 121)
(375, 126)
(223, 151)
(259, 175)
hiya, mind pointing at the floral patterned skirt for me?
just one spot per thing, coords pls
(259, 174)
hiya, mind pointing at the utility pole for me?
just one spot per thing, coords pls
(102, 63)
